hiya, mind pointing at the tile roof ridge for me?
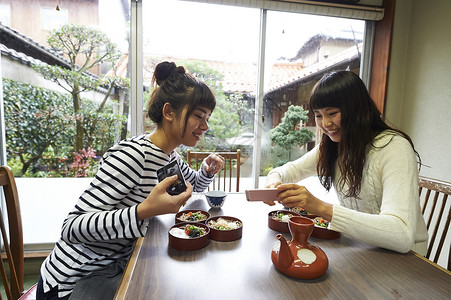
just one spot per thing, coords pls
(28, 59)
(14, 33)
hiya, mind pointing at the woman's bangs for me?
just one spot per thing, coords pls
(320, 100)
(203, 96)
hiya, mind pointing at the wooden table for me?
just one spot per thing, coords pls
(243, 269)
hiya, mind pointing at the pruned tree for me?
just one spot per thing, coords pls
(288, 133)
(86, 49)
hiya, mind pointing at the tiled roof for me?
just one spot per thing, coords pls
(27, 51)
(30, 61)
(238, 77)
(242, 77)
(325, 64)
(315, 42)
(25, 59)
(121, 69)
(27, 47)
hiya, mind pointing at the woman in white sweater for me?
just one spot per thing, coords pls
(372, 166)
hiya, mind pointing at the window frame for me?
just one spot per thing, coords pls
(377, 57)
(380, 63)
(374, 68)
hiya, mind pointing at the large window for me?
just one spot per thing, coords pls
(261, 64)
(221, 44)
(300, 49)
(65, 103)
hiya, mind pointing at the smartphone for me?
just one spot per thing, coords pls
(262, 194)
(173, 168)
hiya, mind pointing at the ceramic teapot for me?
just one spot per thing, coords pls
(298, 258)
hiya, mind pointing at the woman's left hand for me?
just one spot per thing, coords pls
(294, 195)
(213, 163)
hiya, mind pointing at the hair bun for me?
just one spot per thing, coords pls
(165, 69)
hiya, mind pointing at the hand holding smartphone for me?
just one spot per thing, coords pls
(262, 194)
(173, 168)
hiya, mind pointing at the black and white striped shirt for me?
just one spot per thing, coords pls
(103, 226)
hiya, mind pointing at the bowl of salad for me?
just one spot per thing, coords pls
(278, 220)
(225, 228)
(192, 216)
(189, 236)
(321, 230)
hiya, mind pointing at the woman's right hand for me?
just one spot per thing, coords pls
(159, 202)
(272, 181)
(213, 163)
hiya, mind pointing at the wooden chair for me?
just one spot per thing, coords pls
(225, 173)
(14, 250)
(436, 210)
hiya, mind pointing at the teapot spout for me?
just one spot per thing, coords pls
(285, 257)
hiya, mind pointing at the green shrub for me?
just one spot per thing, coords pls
(40, 130)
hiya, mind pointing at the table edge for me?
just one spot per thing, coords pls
(431, 262)
(129, 269)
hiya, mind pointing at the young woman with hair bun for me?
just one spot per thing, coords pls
(372, 166)
(98, 235)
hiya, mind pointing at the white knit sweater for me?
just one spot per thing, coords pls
(386, 213)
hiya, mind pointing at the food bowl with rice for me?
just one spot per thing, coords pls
(192, 216)
(189, 236)
(225, 228)
(278, 220)
(321, 230)
(215, 198)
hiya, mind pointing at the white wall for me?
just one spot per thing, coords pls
(419, 87)
(44, 204)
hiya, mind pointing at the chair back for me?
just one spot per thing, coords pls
(436, 209)
(13, 245)
(223, 179)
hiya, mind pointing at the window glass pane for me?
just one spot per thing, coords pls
(5, 14)
(218, 44)
(52, 18)
(300, 50)
(65, 103)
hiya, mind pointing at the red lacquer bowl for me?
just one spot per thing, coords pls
(225, 235)
(280, 225)
(324, 232)
(178, 242)
(179, 215)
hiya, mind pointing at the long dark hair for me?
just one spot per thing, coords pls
(178, 88)
(361, 122)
